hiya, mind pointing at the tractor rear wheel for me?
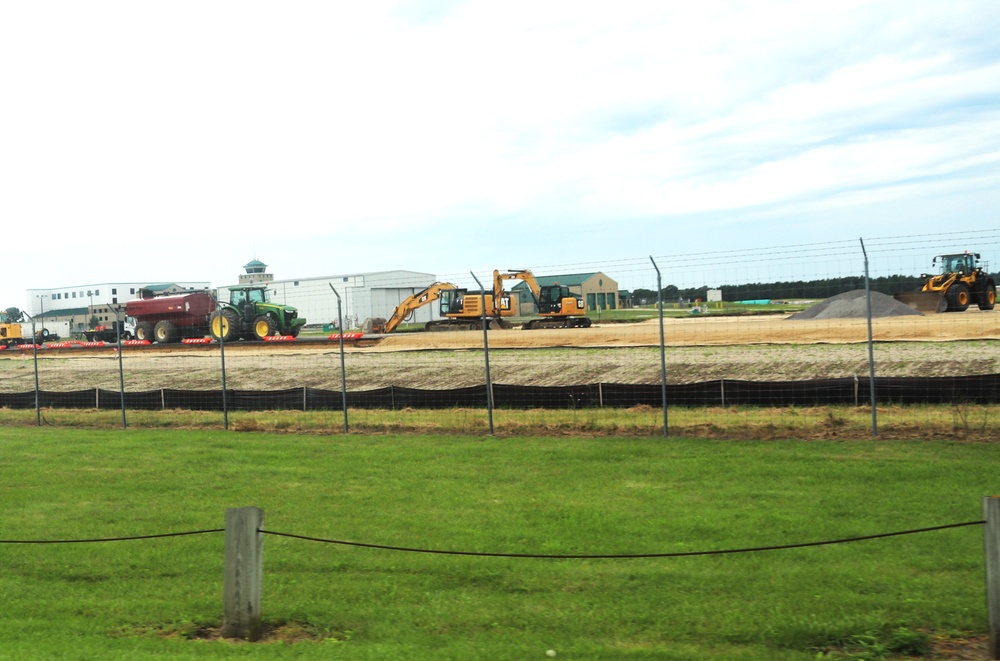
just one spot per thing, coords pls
(958, 297)
(224, 325)
(165, 332)
(263, 326)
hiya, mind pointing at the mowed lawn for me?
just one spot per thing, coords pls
(162, 598)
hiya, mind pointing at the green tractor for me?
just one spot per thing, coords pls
(251, 315)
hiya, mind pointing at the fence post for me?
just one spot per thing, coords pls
(991, 552)
(244, 573)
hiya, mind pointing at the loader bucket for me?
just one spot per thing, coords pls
(923, 301)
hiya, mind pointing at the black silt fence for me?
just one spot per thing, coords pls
(984, 389)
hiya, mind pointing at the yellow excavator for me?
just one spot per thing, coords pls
(462, 309)
(961, 282)
(558, 307)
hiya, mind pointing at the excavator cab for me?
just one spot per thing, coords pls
(452, 301)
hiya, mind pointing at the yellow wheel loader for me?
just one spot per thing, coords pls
(961, 282)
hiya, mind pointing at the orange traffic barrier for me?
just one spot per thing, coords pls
(136, 343)
(279, 338)
(196, 340)
(347, 336)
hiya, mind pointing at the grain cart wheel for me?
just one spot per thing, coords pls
(263, 326)
(224, 325)
(988, 297)
(958, 297)
(144, 331)
(165, 332)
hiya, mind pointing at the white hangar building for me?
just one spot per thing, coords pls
(362, 295)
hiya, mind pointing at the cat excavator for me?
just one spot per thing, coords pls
(558, 307)
(961, 282)
(460, 308)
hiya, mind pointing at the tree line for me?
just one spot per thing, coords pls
(784, 290)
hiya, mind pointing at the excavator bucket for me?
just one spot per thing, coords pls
(923, 301)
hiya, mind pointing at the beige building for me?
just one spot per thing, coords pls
(598, 290)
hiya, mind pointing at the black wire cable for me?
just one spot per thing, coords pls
(109, 539)
(622, 555)
(550, 556)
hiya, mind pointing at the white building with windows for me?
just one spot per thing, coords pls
(79, 304)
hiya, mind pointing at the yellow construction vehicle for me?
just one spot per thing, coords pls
(462, 309)
(961, 282)
(558, 307)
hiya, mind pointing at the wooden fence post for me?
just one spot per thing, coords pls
(244, 573)
(991, 548)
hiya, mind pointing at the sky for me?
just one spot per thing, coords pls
(178, 141)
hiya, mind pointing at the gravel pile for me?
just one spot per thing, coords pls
(852, 304)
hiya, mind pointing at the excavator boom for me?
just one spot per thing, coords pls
(406, 308)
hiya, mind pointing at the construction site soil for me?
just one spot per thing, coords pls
(698, 348)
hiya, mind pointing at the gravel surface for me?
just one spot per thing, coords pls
(854, 305)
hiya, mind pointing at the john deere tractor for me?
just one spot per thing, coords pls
(961, 282)
(251, 315)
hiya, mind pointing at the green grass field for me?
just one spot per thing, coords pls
(157, 599)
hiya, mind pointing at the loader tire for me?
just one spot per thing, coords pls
(958, 297)
(988, 297)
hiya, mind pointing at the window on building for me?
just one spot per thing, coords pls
(131, 290)
(97, 292)
(295, 284)
(114, 291)
(74, 294)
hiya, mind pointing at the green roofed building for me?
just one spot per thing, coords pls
(598, 290)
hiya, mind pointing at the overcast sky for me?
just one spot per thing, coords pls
(176, 141)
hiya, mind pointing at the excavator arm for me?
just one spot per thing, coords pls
(406, 308)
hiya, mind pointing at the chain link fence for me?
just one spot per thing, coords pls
(817, 337)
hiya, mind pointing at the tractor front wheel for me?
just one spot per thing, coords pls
(263, 326)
